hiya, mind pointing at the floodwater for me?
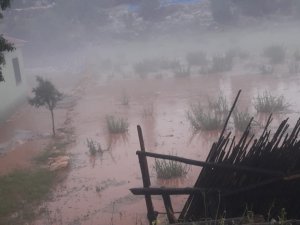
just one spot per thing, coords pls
(96, 190)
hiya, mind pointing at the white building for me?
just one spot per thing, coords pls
(13, 90)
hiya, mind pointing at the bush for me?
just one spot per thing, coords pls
(241, 120)
(294, 68)
(200, 120)
(196, 58)
(222, 63)
(266, 69)
(116, 125)
(220, 105)
(147, 66)
(267, 103)
(148, 111)
(275, 54)
(167, 169)
(222, 12)
(93, 146)
(182, 71)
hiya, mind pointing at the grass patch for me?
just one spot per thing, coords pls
(275, 54)
(20, 188)
(241, 120)
(267, 103)
(116, 125)
(167, 169)
(201, 120)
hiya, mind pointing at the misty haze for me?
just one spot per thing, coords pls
(213, 84)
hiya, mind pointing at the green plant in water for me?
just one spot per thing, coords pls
(93, 146)
(282, 217)
(116, 125)
(167, 169)
(201, 120)
(125, 99)
(220, 105)
(267, 103)
(241, 120)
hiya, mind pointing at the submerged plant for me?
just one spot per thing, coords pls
(125, 99)
(116, 125)
(267, 103)
(167, 169)
(201, 120)
(93, 146)
(148, 111)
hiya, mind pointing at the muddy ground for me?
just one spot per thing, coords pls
(96, 189)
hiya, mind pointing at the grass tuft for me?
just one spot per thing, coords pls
(201, 120)
(167, 169)
(93, 146)
(267, 103)
(116, 125)
(222, 63)
(241, 120)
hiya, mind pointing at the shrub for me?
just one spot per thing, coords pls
(93, 146)
(200, 120)
(275, 54)
(125, 99)
(296, 55)
(116, 125)
(266, 69)
(241, 120)
(294, 68)
(181, 71)
(220, 105)
(267, 103)
(196, 58)
(148, 111)
(222, 63)
(147, 66)
(167, 169)
(222, 12)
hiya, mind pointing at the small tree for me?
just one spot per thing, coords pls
(45, 94)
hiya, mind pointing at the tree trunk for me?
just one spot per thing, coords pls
(53, 126)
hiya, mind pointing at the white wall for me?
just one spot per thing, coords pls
(11, 94)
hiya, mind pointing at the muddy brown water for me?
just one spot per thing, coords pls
(96, 190)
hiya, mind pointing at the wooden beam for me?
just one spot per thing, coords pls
(169, 208)
(170, 191)
(146, 178)
(212, 165)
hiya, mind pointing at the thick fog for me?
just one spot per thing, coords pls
(174, 67)
(74, 34)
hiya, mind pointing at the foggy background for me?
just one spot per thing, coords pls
(113, 35)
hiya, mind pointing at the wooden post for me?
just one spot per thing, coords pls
(146, 178)
(169, 208)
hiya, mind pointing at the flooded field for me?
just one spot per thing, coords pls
(96, 189)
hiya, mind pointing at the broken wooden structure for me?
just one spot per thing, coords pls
(261, 175)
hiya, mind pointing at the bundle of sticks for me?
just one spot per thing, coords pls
(266, 180)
